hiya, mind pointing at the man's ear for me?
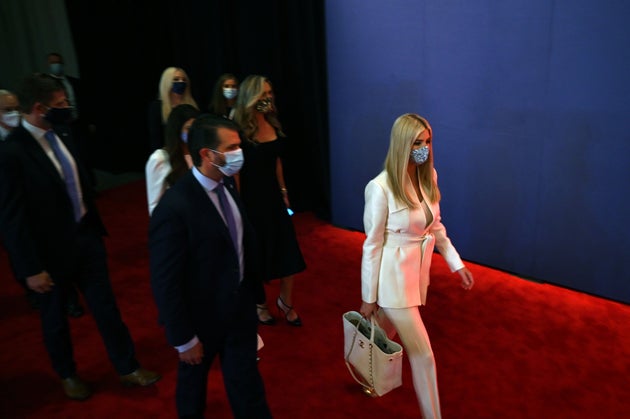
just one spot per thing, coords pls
(206, 154)
(38, 107)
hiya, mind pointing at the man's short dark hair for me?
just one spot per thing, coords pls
(203, 134)
(37, 87)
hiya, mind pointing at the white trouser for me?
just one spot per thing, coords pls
(415, 340)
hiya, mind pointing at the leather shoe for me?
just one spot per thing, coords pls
(140, 377)
(75, 388)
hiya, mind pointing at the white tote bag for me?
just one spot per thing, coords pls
(372, 358)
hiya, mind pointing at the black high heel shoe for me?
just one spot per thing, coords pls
(286, 309)
(262, 308)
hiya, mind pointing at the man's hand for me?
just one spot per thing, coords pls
(192, 356)
(41, 283)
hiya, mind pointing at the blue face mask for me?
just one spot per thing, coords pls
(420, 155)
(179, 87)
(56, 69)
(233, 162)
(185, 137)
(230, 92)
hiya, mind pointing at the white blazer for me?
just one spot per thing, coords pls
(399, 245)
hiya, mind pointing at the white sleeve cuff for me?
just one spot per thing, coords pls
(187, 346)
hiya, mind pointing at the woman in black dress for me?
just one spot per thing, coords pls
(264, 193)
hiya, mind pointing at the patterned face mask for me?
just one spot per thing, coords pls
(420, 155)
(264, 105)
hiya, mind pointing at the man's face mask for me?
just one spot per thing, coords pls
(233, 162)
(11, 119)
(56, 69)
(58, 116)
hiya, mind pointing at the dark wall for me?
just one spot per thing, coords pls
(123, 47)
(528, 101)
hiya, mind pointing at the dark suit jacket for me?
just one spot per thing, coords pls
(36, 218)
(83, 126)
(78, 91)
(194, 267)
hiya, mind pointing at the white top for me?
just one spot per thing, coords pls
(157, 168)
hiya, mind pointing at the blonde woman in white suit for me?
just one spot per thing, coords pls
(402, 224)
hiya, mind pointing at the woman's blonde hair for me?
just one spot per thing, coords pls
(248, 94)
(164, 93)
(404, 132)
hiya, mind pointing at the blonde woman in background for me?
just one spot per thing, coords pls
(174, 89)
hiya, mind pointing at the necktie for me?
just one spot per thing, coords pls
(68, 173)
(227, 213)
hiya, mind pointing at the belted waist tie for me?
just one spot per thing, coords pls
(426, 243)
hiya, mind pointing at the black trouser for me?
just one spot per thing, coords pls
(91, 276)
(235, 341)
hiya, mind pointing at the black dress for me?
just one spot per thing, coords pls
(279, 251)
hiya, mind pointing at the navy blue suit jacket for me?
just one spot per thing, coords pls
(36, 218)
(195, 268)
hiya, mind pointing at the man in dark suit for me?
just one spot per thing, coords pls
(83, 115)
(52, 232)
(72, 86)
(204, 274)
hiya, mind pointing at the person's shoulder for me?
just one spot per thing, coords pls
(381, 178)
(16, 132)
(183, 185)
(6, 145)
(155, 105)
(9, 153)
(179, 197)
(379, 181)
(15, 138)
(158, 164)
(158, 156)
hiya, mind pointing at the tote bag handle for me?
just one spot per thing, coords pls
(369, 387)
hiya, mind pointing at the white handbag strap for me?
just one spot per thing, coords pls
(367, 386)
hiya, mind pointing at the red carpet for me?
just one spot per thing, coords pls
(507, 349)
